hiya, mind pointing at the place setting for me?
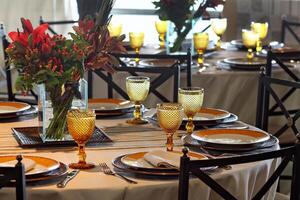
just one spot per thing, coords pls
(16, 111)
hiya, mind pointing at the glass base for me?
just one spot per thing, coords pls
(137, 121)
(203, 67)
(80, 165)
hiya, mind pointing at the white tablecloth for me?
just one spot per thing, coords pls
(242, 180)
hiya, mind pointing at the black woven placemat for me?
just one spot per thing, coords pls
(29, 137)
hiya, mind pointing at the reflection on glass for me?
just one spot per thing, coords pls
(191, 99)
(201, 41)
(219, 27)
(161, 28)
(81, 125)
(136, 42)
(137, 89)
(262, 30)
(249, 40)
(169, 117)
(115, 29)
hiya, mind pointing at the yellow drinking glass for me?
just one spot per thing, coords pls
(201, 41)
(249, 40)
(115, 29)
(81, 125)
(169, 117)
(137, 89)
(219, 27)
(262, 30)
(136, 42)
(161, 28)
(191, 99)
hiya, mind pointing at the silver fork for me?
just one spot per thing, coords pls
(106, 170)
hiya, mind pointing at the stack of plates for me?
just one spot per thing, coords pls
(208, 117)
(211, 116)
(244, 64)
(136, 164)
(38, 170)
(231, 139)
(110, 107)
(13, 109)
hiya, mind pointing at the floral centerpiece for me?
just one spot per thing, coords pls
(59, 63)
(182, 13)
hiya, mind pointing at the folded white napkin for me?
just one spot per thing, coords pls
(28, 164)
(160, 158)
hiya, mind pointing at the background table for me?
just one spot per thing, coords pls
(232, 90)
(242, 180)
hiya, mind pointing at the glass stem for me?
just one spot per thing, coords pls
(218, 45)
(137, 60)
(81, 153)
(200, 58)
(137, 111)
(250, 54)
(258, 46)
(162, 40)
(190, 125)
(170, 143)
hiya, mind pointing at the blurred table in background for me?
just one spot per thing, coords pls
(232, 90)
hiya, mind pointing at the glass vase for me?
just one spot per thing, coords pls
(54, 103)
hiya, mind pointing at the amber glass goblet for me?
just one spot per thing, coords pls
(262, 30)
(115, 29)
(161, 28)
(137, 89)
(136, 42)
(249, 40)
(191, 99)
(81, 125)
(169, 117)
(219, 27)
(201, 41)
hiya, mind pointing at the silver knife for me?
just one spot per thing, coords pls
(69, 177)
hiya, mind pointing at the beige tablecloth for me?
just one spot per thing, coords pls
(242, 180)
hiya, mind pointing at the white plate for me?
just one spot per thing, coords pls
(210, 114)
(230, 136)
(7, 107)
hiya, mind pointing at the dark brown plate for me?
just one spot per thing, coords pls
(49, 178)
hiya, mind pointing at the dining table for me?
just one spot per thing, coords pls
(231, 89)
(242, 180)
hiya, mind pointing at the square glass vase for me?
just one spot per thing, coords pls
(46, 110)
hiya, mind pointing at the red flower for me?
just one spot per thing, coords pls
(27, 26)
(21, 38)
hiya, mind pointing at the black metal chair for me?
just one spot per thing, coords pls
(162, 75)
(193, 167)
(11, 95)
(179, 59)
(288, 25)
(267, 89)
(14, 176)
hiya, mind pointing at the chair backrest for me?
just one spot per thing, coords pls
(162, 75)
(267, 89)
(62, 22)
(193, 167)
(14, 176)
(182, 59)
(289, 25)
